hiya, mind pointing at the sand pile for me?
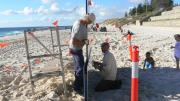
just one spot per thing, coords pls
(46, 88)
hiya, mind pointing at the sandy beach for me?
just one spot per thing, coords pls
(161, 84)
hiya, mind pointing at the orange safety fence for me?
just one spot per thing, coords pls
(37, 61)
(3, 44)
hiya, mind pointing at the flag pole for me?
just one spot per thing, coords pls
(146, 6)
(86, 6)
(85, 73)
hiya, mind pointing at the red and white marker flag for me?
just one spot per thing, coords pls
(97, 25)
(31, 33)
(55, 23)
(90, 3)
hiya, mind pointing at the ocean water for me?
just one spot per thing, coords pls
(20, 30)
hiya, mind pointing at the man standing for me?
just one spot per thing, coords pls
(108, 70)
(77, 41)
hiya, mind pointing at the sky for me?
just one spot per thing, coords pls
(27, 13)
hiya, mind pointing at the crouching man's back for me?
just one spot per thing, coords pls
(108, 70)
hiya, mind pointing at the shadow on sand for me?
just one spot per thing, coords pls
(161, 84)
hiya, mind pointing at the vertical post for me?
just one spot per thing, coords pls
(85, 72)
(135, 70)
(86, 6)
(146, 6)
(52, 40)
(129, 38)
(61, 62)
(130, 52)
(136, 11)
(29, 63)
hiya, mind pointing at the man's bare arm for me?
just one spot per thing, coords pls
(78, 43)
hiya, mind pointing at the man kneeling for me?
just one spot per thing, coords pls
(108, 69)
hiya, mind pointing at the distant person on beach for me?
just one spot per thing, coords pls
(177, 49)
(77, 41)
(127, 36)
(120, 28)
(103, 29)
(127, 33)
(149, 62)
(108, 70)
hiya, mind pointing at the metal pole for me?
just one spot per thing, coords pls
(52, 40)
(61, 61)
(86, 6)
(85, 72)
(41, 56)
(27, 53)
(136, 12)
(41, 43)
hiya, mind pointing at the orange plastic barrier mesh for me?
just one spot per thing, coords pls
(3, 45)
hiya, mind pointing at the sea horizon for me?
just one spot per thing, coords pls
(8, 31)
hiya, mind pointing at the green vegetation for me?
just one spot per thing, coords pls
(156, 4)
(142, 12)
(151, 6)
(140, 9)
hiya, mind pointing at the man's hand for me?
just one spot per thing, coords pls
(85, 41)
(172, 47)
(97, 65)
(78, 43)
